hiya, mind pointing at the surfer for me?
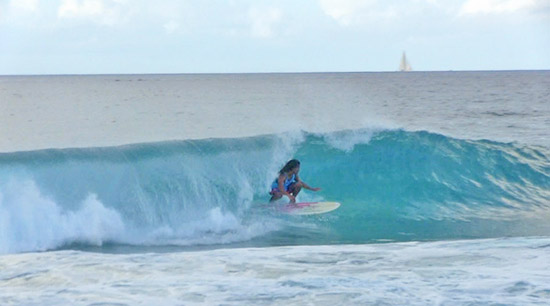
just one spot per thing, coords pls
(288, 182)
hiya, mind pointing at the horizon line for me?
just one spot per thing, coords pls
(274, 72)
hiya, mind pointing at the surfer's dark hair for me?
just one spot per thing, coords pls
(291, 164)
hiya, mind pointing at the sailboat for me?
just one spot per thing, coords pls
(405, 65)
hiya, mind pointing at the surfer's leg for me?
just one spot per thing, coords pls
(275, 195)
(295, 189)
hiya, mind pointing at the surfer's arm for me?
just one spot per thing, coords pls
(306, 186)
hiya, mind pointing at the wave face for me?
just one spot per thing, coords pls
(393, 185)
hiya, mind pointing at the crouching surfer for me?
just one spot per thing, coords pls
(288, 183)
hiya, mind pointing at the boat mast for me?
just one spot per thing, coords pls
(404, 66)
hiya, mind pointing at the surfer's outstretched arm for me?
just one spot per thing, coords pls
(306, 186)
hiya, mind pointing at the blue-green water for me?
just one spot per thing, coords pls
(393, 185)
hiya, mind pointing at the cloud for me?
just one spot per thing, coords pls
(20, 13)
(263, 20)
(362, 12)
(103, 12)
(24, 5)
(474, 7)
(349, 12)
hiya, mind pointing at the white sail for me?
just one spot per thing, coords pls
(405, 65)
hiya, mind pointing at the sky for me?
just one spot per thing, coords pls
(236, 36)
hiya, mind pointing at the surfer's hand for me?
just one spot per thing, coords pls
(315, 189)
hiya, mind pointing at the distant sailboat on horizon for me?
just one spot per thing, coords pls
(405, 65)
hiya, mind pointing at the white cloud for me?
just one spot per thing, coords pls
(473, 7)
(75, 9)
(104, 12)
(369, 12)
(25, 5)
(359, 12)
(263, 21)
(21, 13)
(348, 12)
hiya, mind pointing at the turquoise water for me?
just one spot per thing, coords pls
(394, 185)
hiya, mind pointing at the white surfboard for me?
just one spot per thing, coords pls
(309, 208)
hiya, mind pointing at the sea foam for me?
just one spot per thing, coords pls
(31, 221)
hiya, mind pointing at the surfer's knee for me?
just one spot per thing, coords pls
(295, 189)
(275, 196)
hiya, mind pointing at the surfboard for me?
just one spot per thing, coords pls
(309, 208)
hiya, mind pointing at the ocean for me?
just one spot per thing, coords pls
(153, 189)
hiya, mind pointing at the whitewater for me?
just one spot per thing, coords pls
(153, 189)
